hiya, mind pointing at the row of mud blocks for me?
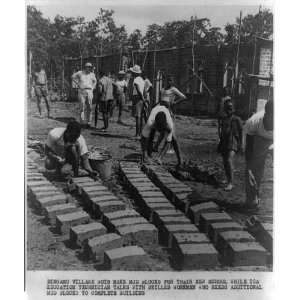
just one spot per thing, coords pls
(114, 244)
(190, 249)
(236, 246)
(47, 198)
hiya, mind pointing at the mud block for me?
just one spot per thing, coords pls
(166, 180)
(155, 218)
(34, 183)
(174, 220)
(135, 175)
(126, 213)
(159, 205)
(66, 221)
(152, 194)
(206, 207)
(52, 199)
(141, 179)
(103, 198)
(46, 188)
(245, 254)
(264, 235)
(196, 256)
(96, 246)
(142, 234)
(188, 238)
(80, 233)
(208, 218)
(215, 228)
(83, 179)
(101, 207)
(156, 200)
(132, 257)
(167, 231)
(145, 185)
(94, 188)
(226, 237)
(117, 223)
(59, 209)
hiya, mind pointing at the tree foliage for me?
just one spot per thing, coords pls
(50, 41)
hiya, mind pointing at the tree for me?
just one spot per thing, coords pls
(135, 39)
(260, 24)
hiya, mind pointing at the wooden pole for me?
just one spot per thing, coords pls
(193, 62)
(237, 57)
(63, 77)
(253, 72)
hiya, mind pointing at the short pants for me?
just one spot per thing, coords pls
(41, 91)
(137, 106)
(105, 106)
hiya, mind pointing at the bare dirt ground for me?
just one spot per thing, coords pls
(198, 143)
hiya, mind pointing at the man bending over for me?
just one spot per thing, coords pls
(66, 150)
(159, 120)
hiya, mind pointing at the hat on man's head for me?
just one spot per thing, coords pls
(88, 65)
(121, 72)
(136, 69)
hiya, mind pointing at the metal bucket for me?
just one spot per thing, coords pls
(102, 163)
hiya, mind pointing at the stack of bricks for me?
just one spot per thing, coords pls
(47, 198)
(70, 219)
(175, 190)
(236, 246)
(125, 226)
(190, 249)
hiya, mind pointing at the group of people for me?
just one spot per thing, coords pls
(111, 91)
(66, 147)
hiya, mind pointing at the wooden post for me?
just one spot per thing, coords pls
(253, 72)
(193, 63)
(63, 77)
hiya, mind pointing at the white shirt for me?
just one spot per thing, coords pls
(121, 85)
(255, 126)
(84, 80)
(139, 81)
(40, 77)
(169, 95)
(151, 121)
(55, 141)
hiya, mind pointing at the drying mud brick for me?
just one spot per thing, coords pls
(151, 194)
(117, 223)
(156, 200)
(188, 238)
(155, 217)
(101, 207)
(82, 179)
(226, 237)
(245, 254)
(208, 218)
(49, 200)
(141, 179)
(103, 198)
(126, 213)
(65, 222)
(45, 188)
(96, 246)
(263, 233)
(94, 188)
(195, 210)
(215, 228)
(80, 233)
(131, 257)
(167, 231)
(34, 183)
(142, 234)
(174, 220)
(153, 206)
(196, 256)
(59, 209)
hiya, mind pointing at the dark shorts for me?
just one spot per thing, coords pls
(41, 91)
(106, 106)
(137, 106)
(121, 99)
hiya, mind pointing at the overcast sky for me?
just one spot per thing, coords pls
(139, 14)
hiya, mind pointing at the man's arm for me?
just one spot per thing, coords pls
(240, 133)
(94, 81)
(178, 95)
(51, 154)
